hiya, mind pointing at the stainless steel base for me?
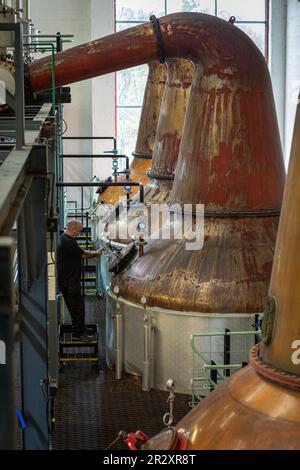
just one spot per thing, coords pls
(171, 347)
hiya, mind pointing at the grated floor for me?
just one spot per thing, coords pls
(92, 407)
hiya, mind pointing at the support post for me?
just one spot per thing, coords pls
(227, 350)
(119, 342)
(20, 99)
(7, 376)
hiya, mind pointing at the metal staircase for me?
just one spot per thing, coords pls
(88, 278)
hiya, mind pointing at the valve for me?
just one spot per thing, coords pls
(116, 290)
(115, 167)
(168, 418)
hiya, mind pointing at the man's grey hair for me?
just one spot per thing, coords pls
(73, 224)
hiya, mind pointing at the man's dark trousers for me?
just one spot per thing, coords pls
(75, 304)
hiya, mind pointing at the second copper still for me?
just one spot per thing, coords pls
(146, 133)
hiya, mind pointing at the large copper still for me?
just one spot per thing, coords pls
(230, 160)
(146, 133)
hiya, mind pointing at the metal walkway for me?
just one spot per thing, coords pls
(92, 407)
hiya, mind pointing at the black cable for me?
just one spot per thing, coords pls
(51, 249)
(51, 209)
(159, 39)
(120, 435)
(49, 186)
(48, 192)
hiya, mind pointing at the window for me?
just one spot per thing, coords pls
(251, 17)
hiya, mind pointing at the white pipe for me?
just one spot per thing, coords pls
(119, 342)
(16, 4)
(27, 10)
(147, 379)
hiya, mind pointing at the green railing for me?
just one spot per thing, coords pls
(206, 374)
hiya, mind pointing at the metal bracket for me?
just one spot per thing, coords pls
(155, 174)
(143, 155)
(268, 319)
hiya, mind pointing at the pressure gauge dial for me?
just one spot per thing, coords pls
(116, 290)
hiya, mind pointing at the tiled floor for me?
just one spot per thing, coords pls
(92, 407)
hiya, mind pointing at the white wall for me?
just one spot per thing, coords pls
(103, 88)
(285, 65)
(292, 70)
(277, 59)
(92, 109)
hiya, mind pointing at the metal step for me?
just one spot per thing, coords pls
(83, 237)
(90, 268)
(89, 290)
(83, 245)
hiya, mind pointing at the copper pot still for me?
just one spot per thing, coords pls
(142, 154)
(230, 160)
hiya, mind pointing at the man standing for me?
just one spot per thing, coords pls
(69, 256)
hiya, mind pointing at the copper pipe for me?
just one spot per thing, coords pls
(168, 135)
(171, 119)
(150, 110)
(169, 129)
(146, 133)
